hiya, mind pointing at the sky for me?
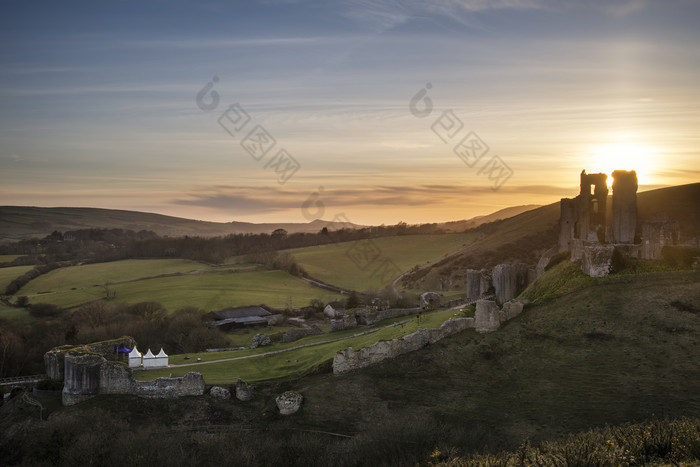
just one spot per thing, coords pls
(357, 110)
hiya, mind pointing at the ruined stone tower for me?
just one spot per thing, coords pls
(624, 206)
(584, 228)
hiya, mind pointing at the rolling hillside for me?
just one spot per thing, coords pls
(526, 236)
(17, 222)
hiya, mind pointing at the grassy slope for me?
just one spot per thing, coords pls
(294, 363)
(7, 275)
(207, 291)
(18, 222)
(331, 263)
(611, 353)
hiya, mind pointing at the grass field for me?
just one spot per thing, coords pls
(7, 275)
(360, 265)
(206, 291)
(90, 275)
(8, 258)
(611, 352)
(294, 363)
(11, 313)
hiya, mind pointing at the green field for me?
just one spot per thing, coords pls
(11, 313)
(207, 291)
(8, 258)
(90, 275)
(7, 275)
(360, 265)
(294, 363)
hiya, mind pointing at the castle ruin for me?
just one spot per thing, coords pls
(588, 232)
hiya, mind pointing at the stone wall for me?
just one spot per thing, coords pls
(349, 359)
(509, 280)
(488, 318)
(53, 362)
(296, 334)
(368, 317)
(349, 321)
(597, 259)
(87, 375)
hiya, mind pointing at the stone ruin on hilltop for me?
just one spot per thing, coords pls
(586, 230)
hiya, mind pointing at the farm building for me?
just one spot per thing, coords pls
(240, 317)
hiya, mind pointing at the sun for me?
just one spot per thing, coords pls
(607, 158)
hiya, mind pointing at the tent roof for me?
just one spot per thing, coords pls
(149, 354)
(162, 354)
(134, 353)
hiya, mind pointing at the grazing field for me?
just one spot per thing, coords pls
(207, 291)
(8, 258)
(7, 275)
(294, 363)
(90, 275)
(11, 313)
(354, 265)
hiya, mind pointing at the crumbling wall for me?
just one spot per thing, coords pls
(81, 377)
(54, 364)
(510, 280)
(597, 259)
(368, 317)
(88, 374)
(486, 317)
(473, 284)
(349, 359)
(296, 334)
(624, 205)
(348, 321)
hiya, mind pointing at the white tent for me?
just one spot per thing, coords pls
(135, 358)
(161, 360)
(149, 360)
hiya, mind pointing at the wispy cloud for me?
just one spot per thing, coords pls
(264, 200)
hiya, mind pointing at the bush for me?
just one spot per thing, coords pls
(618, 261)
(45, 310)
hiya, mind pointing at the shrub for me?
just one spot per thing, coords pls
(680, 256)
(45, 310)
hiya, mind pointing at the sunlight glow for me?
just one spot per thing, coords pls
(607, 158)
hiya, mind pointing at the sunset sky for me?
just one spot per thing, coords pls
(99, 108)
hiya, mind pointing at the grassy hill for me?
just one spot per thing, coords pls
(172, 282)
(354, 265)
(621, 350)
(526, 236)
(617, 350)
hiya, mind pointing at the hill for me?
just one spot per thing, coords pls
(524, 237)
(17, 222)
(617, 350)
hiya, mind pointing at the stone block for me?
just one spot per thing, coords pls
(487, 316)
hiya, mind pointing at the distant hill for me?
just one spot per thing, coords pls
(17, 222)
(461, 226)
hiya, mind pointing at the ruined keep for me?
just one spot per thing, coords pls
(92, 369)
(588, 232)
(624, 206)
